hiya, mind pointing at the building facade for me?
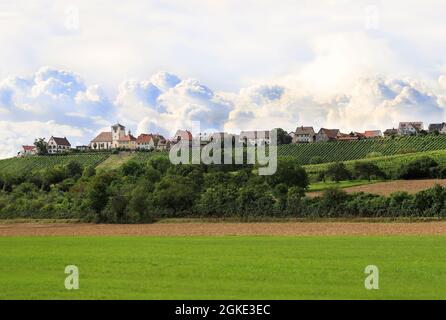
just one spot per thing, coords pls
(58, 145)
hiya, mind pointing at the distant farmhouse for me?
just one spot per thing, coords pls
(304, 135)
(437, 127)
(410, 128)
(327, 135)
(58, 145)
(27, 151)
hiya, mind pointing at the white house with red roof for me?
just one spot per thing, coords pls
(27, 151)
(58, 145)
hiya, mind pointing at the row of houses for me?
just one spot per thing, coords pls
(304, 134)
(118, 138)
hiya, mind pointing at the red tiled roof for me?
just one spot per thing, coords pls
(331, 133)
(28, 148)
(61, 141)
(103, 137)
(144, 138)
(372, 133)
(128, 137)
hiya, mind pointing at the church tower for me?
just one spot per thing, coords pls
(118, 132)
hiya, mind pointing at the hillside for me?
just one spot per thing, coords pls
(15, 165)
(389, 164)
(352, 150)
(391, 151)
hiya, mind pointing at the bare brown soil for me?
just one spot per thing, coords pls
(386, 188)
(224, 229)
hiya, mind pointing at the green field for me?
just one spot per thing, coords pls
(223, 267)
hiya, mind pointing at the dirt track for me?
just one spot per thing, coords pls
(220, 229)
(388, 187)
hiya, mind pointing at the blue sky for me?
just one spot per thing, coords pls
(71, 68)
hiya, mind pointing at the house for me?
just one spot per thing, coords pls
(352, 136)
(437, 127)
(370, 134)
(127, 142)
(410, 128)
(160, 142)
(145, 142)
(304, 135)
(58, 145)
(327, 134)
(255, 137)
(27, 151)
(82, 148)
(390, 132)
(182, 135)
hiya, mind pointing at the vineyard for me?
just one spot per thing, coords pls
(386, 152)
(389, 164)
(14, 165)
(352, 150)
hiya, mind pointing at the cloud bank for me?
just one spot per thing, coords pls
(58, 102)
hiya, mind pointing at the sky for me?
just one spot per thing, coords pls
(73, 68)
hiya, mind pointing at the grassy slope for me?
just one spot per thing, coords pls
(223, 267)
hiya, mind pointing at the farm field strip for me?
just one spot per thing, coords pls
(223, 267)
(291, 228)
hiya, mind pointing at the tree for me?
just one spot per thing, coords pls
(41, 146)
(283, 137)
(337, 172)
(289, 173)
(368, 170)
(417, 169)
(73, 169)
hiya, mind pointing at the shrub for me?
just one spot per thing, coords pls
(417, 169)
(316, 160)
(289, 173)
(338, 171)
(367, 170)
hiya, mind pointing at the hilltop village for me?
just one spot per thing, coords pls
(118, 138)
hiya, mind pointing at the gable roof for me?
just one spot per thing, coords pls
(144, 138)
(417, 125)
(29, 148)
(103, 137)
(436, 126)
(372, 133)
(304, 130)
(61, 141)
(331, 133)
(391, 131)
(128, 137)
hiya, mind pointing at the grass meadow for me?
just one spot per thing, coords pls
(227, 267)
